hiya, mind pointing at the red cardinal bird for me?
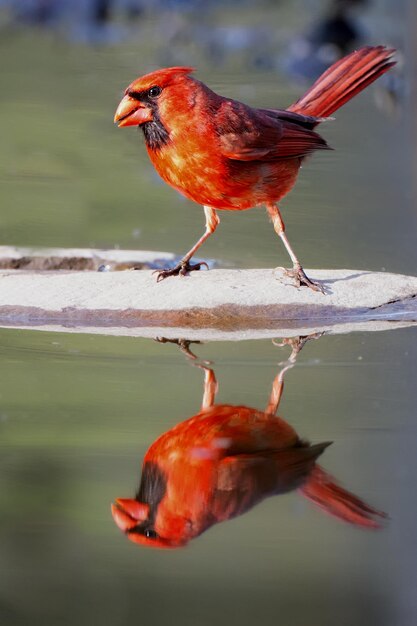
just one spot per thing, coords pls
(219, 464)
(226, 155)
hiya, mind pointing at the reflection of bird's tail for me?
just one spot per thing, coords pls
(324, 491)
(343, 80)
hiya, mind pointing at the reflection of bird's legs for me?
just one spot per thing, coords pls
(184, 266)
(297, 271)
(210, 381)
(277, 389)
(210, 388)
(183, 344)
(297, 344)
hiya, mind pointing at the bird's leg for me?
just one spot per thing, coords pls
(276, 391)
(297, 271)
(278, 383)
(296, 344)
(210, 382)
(210, 388)
(184, 266)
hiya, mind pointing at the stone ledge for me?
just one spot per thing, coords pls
(219, 301)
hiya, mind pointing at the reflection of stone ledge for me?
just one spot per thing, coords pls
(221, 304)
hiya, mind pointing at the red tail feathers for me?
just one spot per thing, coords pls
(343, 80)
(324, 491)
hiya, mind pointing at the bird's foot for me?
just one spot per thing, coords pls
(301, 278)
(183, 268)
(296, 343)
(183, 344)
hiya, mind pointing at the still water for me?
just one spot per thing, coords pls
(78, 415)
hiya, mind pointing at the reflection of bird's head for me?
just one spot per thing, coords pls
(149, 519)
(132, 517)
(152, 99)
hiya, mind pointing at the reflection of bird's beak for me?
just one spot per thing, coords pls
(131, 112)
(128, 513)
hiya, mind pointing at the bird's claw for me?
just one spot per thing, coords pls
(301, 279)
(296, 343)
(183, 344)
(183, 268)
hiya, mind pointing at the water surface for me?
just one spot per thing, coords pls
(78, 414)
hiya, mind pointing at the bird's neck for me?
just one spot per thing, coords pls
(155, 133)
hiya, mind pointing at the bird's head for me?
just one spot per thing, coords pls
(134, 519)
(147, 97)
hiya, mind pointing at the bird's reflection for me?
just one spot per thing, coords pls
(221, 462)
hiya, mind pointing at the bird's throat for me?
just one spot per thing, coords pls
(155, 133)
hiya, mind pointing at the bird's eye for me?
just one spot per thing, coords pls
(150, 534)
(154, 92)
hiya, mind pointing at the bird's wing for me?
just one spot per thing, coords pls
(307, 121)
(247, 134)
(245, 479)
(284, 467)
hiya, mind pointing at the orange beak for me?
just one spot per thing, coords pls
(128, 513)
(131, 112)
